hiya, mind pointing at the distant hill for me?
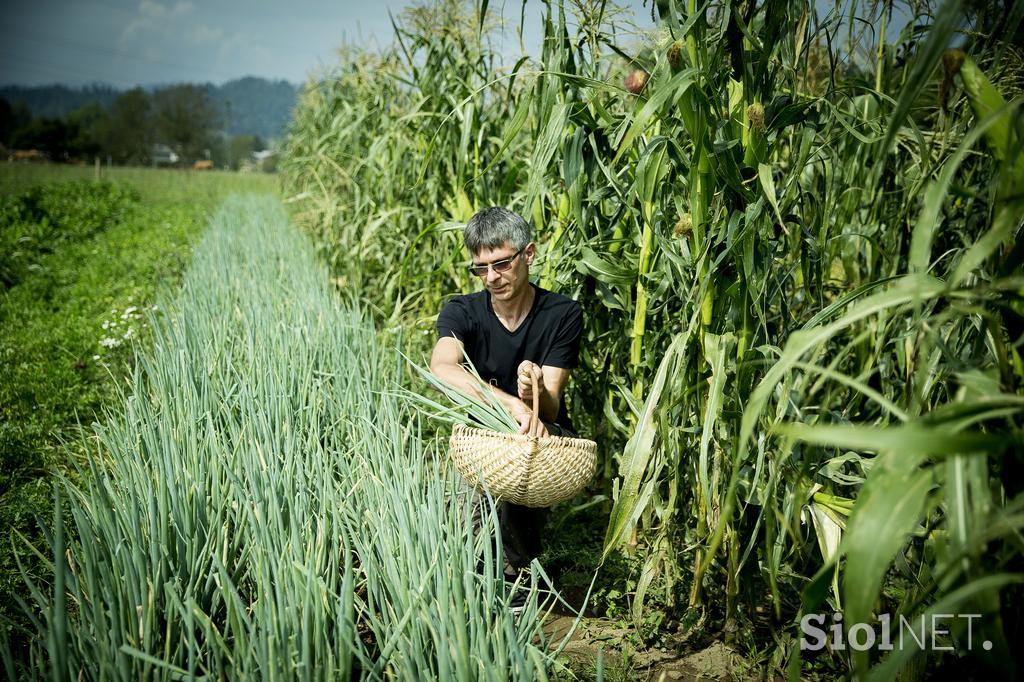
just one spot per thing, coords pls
(249, 106)
(256, 106)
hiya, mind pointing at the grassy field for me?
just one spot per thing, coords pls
(206, 188)
(91, 263)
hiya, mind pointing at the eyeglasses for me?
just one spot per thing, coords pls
(503, 265)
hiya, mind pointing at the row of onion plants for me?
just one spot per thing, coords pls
(262, 504)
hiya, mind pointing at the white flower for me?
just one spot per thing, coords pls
(109, 342)
(106, 324)
(96, 358)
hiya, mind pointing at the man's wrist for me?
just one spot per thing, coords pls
(519, 408)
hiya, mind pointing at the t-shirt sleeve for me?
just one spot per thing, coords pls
(454, 321)
(565, 349)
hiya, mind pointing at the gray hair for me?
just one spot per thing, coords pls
(493, 227)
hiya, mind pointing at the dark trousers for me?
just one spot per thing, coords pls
(521, 527)
(520, 532)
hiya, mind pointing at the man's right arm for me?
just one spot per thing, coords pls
(446, 364)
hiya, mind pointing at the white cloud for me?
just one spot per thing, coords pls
(151, 8)
(232, 43)
(191, 41)
(156, 18)
(241, 48)
(204, 35)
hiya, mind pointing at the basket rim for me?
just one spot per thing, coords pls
(523, 438)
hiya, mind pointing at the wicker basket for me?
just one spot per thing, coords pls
(525, 470)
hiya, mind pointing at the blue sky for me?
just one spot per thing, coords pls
(148, 42)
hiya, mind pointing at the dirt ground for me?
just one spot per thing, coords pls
(678, 658)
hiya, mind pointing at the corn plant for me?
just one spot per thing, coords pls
(793, 276)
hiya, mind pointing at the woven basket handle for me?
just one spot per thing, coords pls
(535, 415)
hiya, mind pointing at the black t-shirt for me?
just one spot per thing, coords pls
(549, 335)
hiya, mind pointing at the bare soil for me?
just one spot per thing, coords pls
(680, 657)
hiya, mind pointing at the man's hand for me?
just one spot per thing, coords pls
(523, 374)
(523, 417)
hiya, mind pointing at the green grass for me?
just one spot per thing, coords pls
(206, 188)
(55, 371)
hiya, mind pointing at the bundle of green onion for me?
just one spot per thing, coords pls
(481, 411)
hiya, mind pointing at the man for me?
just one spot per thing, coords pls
(511, 331)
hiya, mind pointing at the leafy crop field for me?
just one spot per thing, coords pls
(82, 267)
(800, 262)
(261, 508)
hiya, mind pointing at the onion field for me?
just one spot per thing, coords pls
(265, 506)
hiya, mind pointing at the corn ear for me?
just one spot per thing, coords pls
(843, 505)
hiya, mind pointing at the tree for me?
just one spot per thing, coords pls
(242, 147)
(12, 118)
(54, 137)
(186, 119)
(91, 122)
(130, 129)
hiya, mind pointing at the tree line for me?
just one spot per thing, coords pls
(182, 118)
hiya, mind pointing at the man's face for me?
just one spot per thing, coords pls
(508, 274)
